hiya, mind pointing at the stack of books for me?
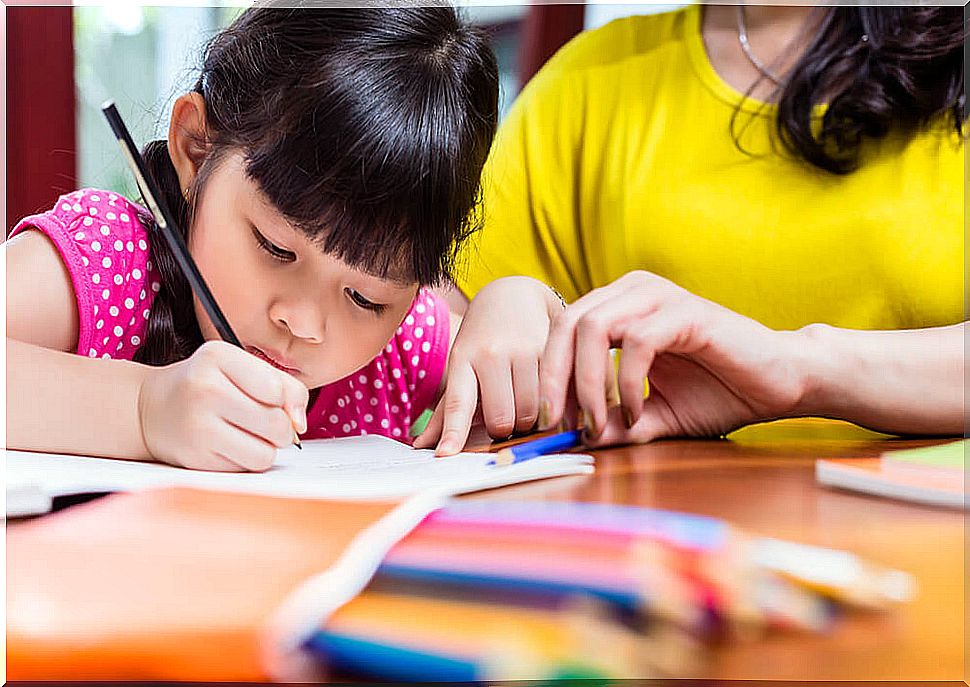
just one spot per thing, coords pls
(933, 475)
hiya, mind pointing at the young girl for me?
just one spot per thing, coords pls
(324, 169)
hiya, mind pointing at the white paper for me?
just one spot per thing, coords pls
(367, 467)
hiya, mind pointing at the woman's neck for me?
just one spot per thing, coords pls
(777, 35)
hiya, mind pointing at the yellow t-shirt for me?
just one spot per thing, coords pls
(619, 156)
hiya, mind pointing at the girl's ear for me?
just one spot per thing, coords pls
(187, 140)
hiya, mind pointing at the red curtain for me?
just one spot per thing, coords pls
(41, 112)
(546, 28)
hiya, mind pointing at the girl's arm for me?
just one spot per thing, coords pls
(63, 403)
(220, 409)
(58, 401)
(452, 295)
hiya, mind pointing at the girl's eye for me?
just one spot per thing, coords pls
(275, 251)
(362, 302)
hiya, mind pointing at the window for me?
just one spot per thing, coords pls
(144, 57)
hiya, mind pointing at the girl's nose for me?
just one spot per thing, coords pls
(304, 322)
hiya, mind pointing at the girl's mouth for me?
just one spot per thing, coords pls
(274, 360)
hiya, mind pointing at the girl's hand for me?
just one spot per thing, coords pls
(710, 370)
(221, 409)
(496, 351)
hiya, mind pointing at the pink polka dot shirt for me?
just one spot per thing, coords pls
(104, 240)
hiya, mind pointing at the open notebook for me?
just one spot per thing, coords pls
(188, 577)
(367, 467)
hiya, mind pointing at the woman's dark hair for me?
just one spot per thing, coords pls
(366, 127)
(881, 70)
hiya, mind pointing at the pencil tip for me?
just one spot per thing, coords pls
(504, 457)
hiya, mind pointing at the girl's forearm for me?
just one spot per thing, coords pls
(902, 382)
(64, 403)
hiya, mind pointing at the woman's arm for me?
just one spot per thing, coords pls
(904, 382)
(711, 370)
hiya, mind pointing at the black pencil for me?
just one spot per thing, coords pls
(169, 230)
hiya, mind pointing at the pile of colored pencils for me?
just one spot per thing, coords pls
(539, 590)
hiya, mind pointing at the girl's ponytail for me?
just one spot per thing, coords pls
(173, 331)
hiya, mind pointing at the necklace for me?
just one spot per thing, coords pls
(746, 48)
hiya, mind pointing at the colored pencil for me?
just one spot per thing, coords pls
(539, 447)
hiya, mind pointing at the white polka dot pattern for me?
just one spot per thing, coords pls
(392, 390)
(107, 255)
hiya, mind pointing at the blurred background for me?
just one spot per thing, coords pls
(63, 62)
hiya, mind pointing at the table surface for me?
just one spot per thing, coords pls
(762, 479)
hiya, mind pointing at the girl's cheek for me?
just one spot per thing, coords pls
(351, 350)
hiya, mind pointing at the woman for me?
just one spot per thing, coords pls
(762, 206)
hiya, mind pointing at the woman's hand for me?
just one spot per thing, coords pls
(497, 351)
(221, 409)
(710, 370)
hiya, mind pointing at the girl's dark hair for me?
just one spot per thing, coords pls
(881, 70)
(366, 127)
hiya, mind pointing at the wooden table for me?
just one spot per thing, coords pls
(762, 479)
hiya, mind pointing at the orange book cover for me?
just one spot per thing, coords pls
(185, 584)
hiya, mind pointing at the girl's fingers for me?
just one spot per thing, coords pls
(217, 463)
(458, 408)
(259, 380)
(270, 423)
(246, 450)
(432, 432)
(498, 399)
(525, 384)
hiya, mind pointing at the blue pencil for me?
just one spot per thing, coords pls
(539, 447)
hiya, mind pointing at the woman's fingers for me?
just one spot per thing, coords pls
(593, 370)
(668, 330)
(631, 380)
(653, 423)
(557, 363)
(596, 331)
